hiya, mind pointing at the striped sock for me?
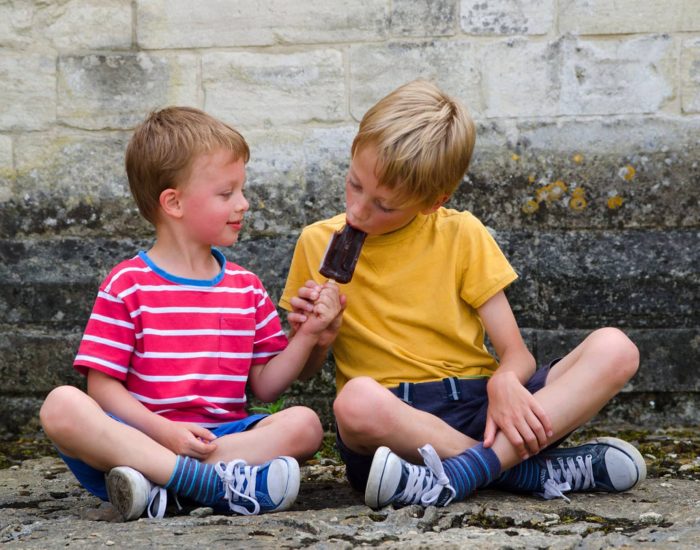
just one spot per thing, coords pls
(524, 477)
(196, 480)
(474, 468)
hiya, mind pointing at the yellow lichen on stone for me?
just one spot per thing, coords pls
(615, 202)
(578, 201)
(531, 206)
(627, 173)
(577, 158)
(515, 156)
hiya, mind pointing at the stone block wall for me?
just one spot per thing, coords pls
(586, 164)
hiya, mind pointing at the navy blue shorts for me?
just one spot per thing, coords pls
(460, 402)
(93, 480)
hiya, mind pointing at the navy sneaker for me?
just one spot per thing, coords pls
(132, 494)
(250, 490)
(605, 464)
(393, 480)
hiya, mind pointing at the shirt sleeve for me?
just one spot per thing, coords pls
(270, 339)
(486, 271)
(108, 341)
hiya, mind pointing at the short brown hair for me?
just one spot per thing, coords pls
(424, 141)
(165, 144)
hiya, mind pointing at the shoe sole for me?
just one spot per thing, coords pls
(121, 496)
(376, 475)
(293, 482)
(631, 451)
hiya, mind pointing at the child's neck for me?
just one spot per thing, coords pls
(188, 262)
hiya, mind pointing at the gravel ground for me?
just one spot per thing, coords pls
(43, 507)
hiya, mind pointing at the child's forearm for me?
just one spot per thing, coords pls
(270, 380)
(113, 397)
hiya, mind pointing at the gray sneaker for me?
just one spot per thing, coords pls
(393, 480)
(132, 494)
(605, 464)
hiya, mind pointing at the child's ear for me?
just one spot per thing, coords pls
(170, 202)
(437, 204)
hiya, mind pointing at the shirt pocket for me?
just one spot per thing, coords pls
(236, 341)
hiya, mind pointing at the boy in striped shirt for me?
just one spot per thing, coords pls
(175, 335)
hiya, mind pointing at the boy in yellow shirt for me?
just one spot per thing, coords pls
(425, 414)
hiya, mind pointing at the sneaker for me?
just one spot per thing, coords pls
(269, 487)
(393, 480)
(605, 464)
(131, 494)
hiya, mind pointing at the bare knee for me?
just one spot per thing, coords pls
(303, 431)
(58, 412)
(622, 355)
(361, 408)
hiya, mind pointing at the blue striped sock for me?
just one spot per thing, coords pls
(196, 480)
(523, 477)
(474, 468)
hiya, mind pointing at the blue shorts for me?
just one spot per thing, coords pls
(93, 480)
(460, 402)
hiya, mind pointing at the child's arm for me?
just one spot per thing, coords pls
(183, 438)
(308, 344)
(512, 408)
(303, 306)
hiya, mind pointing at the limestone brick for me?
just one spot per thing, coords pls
(67, 25)
(27, 90)
(506, 17)
(521, 78)
(376, 70)
(617, 76)
(690, 76)
(214, 23)
(274, 89)
(628, 16)
(5, 153)
(119, 89)
(423, 17)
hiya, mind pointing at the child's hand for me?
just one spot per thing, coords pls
(326, 316)
(303, 304)
(514, 411)
(188, 439)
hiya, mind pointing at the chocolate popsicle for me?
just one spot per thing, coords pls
(342, 253)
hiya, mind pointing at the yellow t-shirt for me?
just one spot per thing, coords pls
(411, 310)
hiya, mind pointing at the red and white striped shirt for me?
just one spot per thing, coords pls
(182, 347)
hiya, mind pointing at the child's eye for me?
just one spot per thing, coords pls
(385, 208)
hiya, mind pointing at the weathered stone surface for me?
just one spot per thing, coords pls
(174, 24)
(27, 90)
(432, 18)
(627, 16)
(499, 17)
(601, 77)
(6, 163)
(370, 80)
(117, 90)
(43, 507)
(64, 24)
(690, 76)
(274, 89)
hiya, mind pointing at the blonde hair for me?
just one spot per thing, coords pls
(163, 147)
(424, 141)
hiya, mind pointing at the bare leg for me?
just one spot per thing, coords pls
(295, 432)
(370, 416)
(81, 429)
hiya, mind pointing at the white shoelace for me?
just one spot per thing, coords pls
(162, 495)
(419, 476)
(577, 476)
(239, 481)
